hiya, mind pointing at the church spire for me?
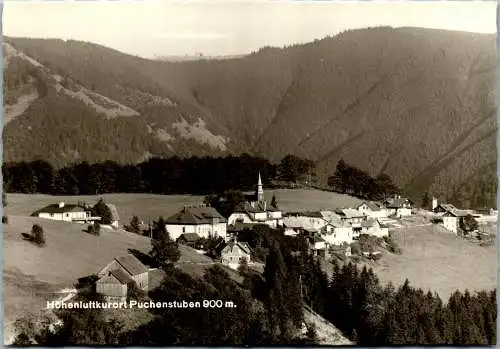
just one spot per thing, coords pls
(260, 190)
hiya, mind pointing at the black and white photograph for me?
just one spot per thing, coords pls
(249, 173)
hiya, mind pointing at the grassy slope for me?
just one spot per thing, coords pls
(434, 259)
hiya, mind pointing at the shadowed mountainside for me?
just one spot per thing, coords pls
(417, 104)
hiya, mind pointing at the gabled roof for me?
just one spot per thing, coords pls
(310, 214)
(457, 213)
(121, 276)
(195, 216)
(230, 246)
(55, 208)
(131, 264)
(300, 222)
(190, 237)
(374, 206)
(349, 213)
(446, 207)
(116, 276)
(254, 207)
(398, 202)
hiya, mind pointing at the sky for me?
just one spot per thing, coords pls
(150, 28)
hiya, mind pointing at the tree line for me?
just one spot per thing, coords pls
(351, 180)
(194, 175)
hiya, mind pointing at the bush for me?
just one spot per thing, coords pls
(90, 229)
(5, 220)
(356, 248)
(97, 228)
(38, 235)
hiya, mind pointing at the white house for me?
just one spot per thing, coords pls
(233, 252)
(63, 212)
(337, 233)
(451, 219)
(372, 209)
(202, 220)
(399, 207)
(257, 210)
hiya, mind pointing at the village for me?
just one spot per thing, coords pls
(340, 233)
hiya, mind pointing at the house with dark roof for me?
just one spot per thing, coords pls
(121, 271)
(453, 218)
(203, 220)
(64, 212)
(399, 207)
(188, 239)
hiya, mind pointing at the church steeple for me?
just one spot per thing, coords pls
(260, 190)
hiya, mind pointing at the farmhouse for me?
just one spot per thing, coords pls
(452, 219)
(338, 233)
(202, 220)
(257, 211)
(351, 216)
(65, 212)
(399, 207)
(232, 252)
(115, 277)
(372, 209)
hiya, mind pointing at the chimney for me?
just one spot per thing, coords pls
(434, 203)
(61, 204)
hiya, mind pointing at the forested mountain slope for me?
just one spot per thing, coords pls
(417, 104)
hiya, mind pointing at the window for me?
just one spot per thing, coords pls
(52, 215)
(67, 214)
(183, 229)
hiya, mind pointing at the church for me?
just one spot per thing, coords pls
(256, 210)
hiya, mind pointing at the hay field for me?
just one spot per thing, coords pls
(436, 259)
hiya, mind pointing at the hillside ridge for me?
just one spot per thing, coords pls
(415, 103)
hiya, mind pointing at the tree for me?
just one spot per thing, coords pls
(274, 202)
(468, 224)
(134, 292)
(165, 251)
(292, 168)
(102, 210)
(22, 339)
(243, 267)
(134, 225)
(426, 201)
(38, 235)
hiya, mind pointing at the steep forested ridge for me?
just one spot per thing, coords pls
(416, 104)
